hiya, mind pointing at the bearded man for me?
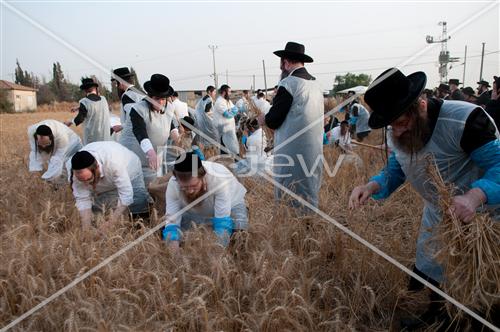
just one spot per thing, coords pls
(53, 143)
(462, 141)
(107, 175)
(223, 208)
(298, 135)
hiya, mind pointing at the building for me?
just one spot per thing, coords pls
(22, 97)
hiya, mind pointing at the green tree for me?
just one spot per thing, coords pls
(5, 105)
(350, 80)
(23, 77)
(61, 88)
(136, 83)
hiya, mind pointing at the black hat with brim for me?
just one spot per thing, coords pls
(454, 81)
(158, 86)
(390, 95)
(468, 91)
(88, 83)
(81, 160)
(185, 163)
(294, 51)
(444, 87)
(122, 72)
(485, 83)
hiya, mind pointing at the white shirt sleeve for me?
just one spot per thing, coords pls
(82, 195)
(222, 204)
(221, 106)
(146, 145)
(123, 185)
(35, 163)
(174, 203)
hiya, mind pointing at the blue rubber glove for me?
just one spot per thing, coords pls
(228, 114)
(198, 152)
(325, 139)
(223, 228)
(171, 233)
(244, 140)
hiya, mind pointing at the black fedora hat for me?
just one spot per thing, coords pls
(294, 51)
(454, 81)
(158, 86)
(469, 91)
(122, 72)
(88, 83)
(485, 83)
(444, 87)
(390, 95)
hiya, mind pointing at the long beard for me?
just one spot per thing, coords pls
(414, 140)
(284, 74)
(47, 149)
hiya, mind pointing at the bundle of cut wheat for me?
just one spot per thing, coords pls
(470, 253)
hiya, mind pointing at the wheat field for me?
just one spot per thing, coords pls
(284, 274)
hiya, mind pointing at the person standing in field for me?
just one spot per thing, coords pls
(126, 93)
(150, 124)
(204, 119)
(53, 143)
(242, 103)
(460, 139)
(362, 115)
(455, 93)
(296, 106)
(107, 175)
(93, 112)
(180, 107)
(224, 113)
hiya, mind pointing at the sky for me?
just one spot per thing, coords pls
(172, 38)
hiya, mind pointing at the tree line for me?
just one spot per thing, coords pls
(58, 88)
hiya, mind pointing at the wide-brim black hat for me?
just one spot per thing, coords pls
(122, 72)
(294, 51)
(158, 86)
(485, 83)
(88, 83)
(454, 81)
(390, 95)
(444, 87)
(468, 91)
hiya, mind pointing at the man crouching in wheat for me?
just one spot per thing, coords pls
(214, 195)
(463, 142)
(107, 175)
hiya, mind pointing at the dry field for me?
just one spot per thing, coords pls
(285, 273)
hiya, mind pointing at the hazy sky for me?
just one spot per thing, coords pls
(172, 38)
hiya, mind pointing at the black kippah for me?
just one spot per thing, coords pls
(43, 130)
(81, 160)
(185, 162)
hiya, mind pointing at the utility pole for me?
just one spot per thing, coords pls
(465, 63)
(265, 80)
(253, 85)
(444, 55)
(213, 48)
(482, 60)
